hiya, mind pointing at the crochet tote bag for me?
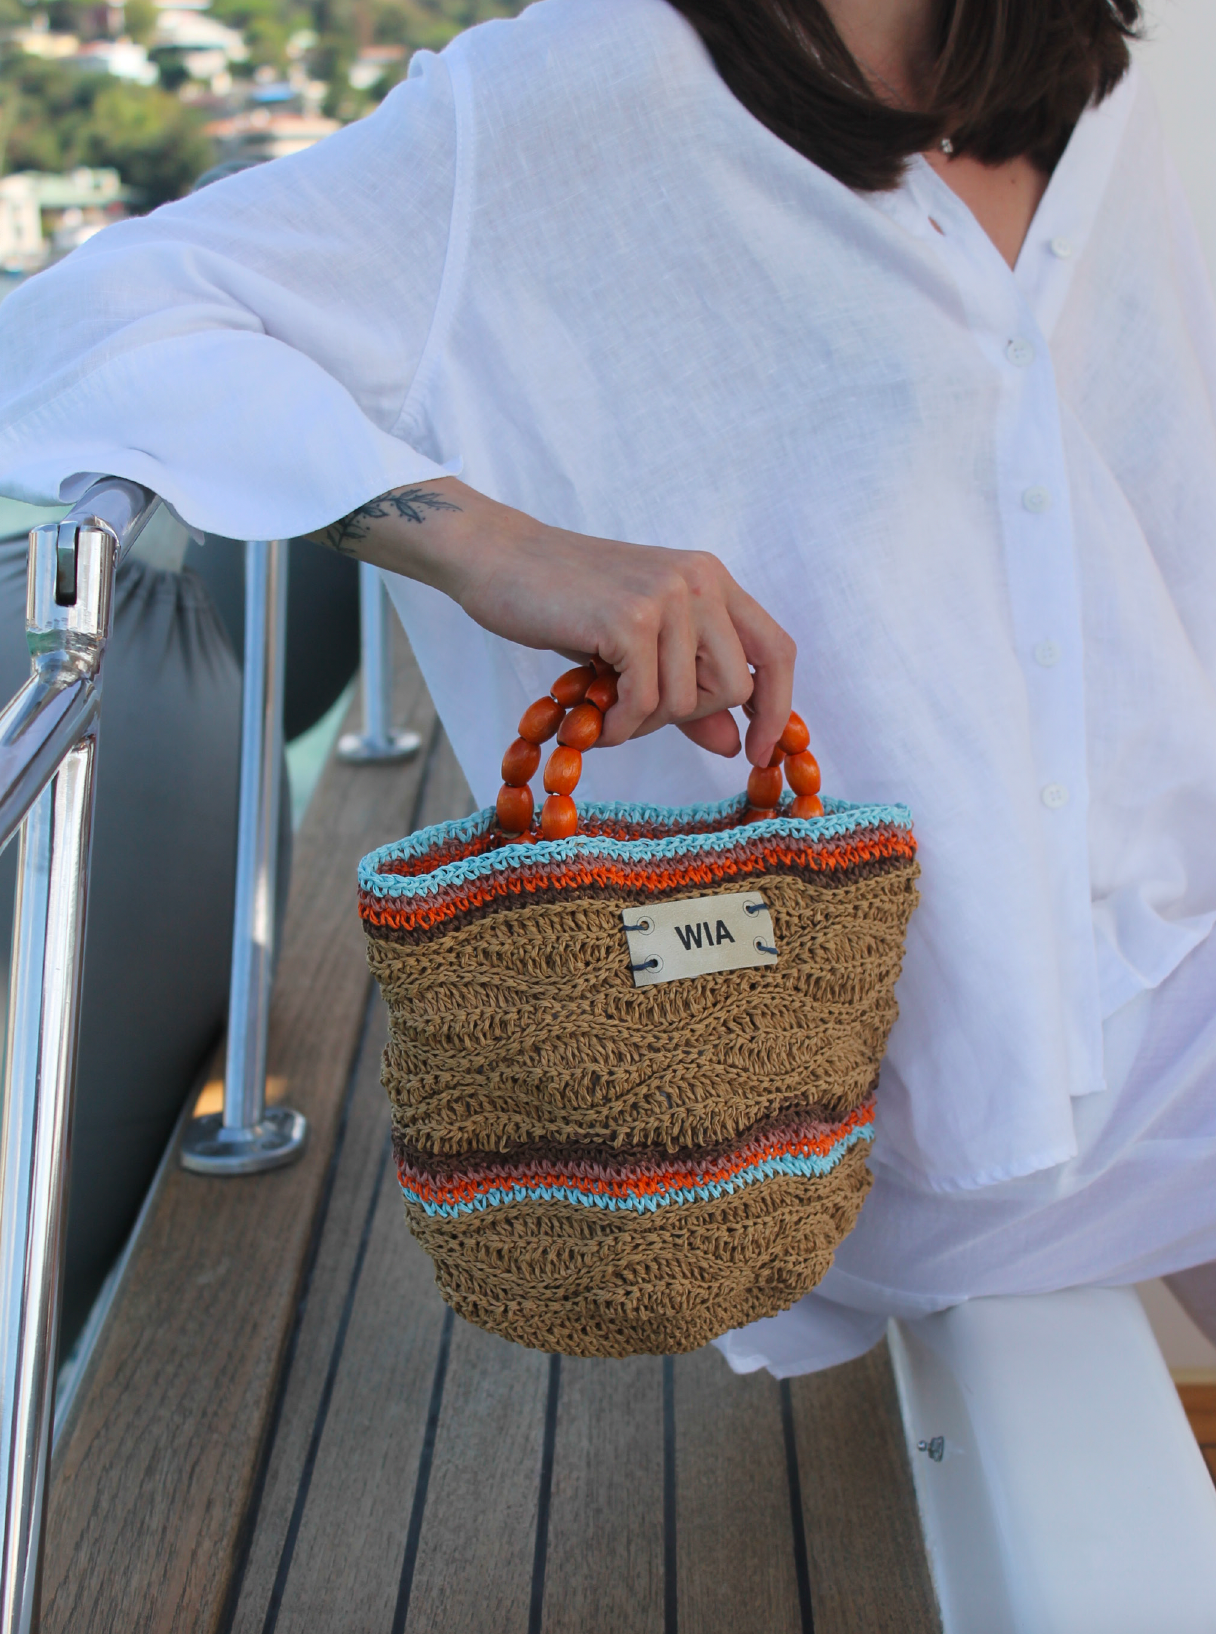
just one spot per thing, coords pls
(633, 1050)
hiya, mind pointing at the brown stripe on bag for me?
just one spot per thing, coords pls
(563, 1278)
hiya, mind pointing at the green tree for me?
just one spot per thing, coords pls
(139, 20)
(155, 142)
(344, 27)
(430, 24)
(54, 116)
(60, 116)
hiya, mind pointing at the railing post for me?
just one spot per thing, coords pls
(70, 598)
(248, 1137)
(377, 741)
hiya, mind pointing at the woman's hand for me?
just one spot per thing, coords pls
(686, 641)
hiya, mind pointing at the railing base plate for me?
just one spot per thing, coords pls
(359, 750)
(209, 1148)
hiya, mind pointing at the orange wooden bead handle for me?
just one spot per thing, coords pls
(574, 711)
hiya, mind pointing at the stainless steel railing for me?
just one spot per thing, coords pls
(47, 743)
(378, 740)
(247, 1137)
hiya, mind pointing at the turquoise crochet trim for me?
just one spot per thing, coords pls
(840, 818)
(809, 1168)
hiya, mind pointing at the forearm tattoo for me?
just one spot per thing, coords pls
(411, 505)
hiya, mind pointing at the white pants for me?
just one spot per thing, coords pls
(1138, 1201)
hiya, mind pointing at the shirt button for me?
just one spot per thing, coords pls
(1055, 795)
(1047, 653)
(1020, 352)
(1061, 248)
(1037, 499)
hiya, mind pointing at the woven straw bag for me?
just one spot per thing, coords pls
(601, 1168)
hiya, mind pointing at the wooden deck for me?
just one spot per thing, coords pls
(1199, 1404)
(283, 1427)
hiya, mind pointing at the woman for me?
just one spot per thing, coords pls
(874, 326)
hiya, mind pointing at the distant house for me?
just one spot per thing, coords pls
(203, 46)
(260, 134)
(40, 40)
(38, 210)
(20, 222)
(122, 58)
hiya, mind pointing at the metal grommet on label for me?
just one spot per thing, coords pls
(763, 947)
(644, 926)
(653, 963)
(753, 908)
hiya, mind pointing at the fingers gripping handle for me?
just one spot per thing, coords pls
(574, 712)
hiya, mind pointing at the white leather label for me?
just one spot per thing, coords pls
(671, 940)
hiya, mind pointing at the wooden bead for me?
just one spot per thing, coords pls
(807, 805)
(520, 762)
(795, 738)
(802, 773)
(540, 720)
(571, 688)
(558, 817)
(499, 839)
(563, 770)
(581, 727)
(514, 808)
(778, 755)
(602, 691)
(753, 814)
(764, 786)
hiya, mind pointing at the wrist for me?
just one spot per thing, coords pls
(468, 543)
(453, 540)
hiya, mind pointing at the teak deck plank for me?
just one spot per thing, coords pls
(606, 1542)
(153, 1479)
(330, 1532)
(477, 1544)
(346, 1565)
(735, 1550)
(1199, 1404)
(280, 1555)
(866, 1554)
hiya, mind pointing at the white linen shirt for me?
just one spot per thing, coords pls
(565, 261)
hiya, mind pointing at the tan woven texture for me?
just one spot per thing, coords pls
(586, 1282)
(525, 1026)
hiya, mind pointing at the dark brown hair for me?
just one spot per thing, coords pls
(1010, 77)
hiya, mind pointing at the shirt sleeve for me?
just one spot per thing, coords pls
(246, 352)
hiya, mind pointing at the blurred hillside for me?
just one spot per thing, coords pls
(159, 89)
